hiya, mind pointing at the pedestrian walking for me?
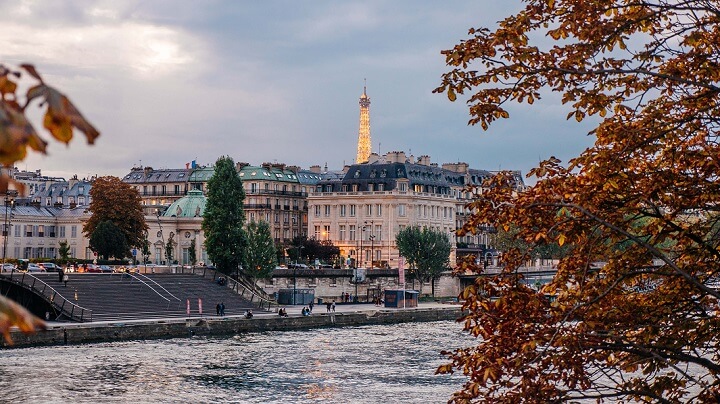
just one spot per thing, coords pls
(61, 274)
(333, 306)
(66, 278)
(328, 304)
(217, 309)
(311, 306)
(222, 309)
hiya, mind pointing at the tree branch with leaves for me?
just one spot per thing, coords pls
(632, 310)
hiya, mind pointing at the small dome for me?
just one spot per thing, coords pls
(190, 205)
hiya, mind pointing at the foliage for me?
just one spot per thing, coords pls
(426, 251)
(17, 134)
(260, 257)
(224, 217)
(64, 250)
(145, 249)
(312, 249)
(545, 248)
(192, 252)
(642, 199)
(108, 241)
(169, 250)
(119, 203)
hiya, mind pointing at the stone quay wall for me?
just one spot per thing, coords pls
(79, 333)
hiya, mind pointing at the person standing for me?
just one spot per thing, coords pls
(61, 274)
(65, 279)
(333, 306)
(311, 306)
(328, 305)
(222, 309)
(217, 309)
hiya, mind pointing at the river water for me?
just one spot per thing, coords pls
(368, 364)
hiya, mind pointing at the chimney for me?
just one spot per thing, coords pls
(316, 169)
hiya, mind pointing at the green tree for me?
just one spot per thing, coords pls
(192, 252)
(643, 200)
(119, 203)
(169, 251)
(64, 250)
(260, 256)
(108, 241)
(324, 250)
(145, 250)
(426, 251)
(224, 217)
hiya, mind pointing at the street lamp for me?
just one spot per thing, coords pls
(372, 242)
(6, 228)
(295, 274)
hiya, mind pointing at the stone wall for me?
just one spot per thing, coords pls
(73, 333)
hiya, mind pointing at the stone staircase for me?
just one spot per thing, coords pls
(125, 297)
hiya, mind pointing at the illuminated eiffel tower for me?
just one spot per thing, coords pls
(364, 143)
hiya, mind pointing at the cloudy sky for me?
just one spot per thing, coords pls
(168, 82)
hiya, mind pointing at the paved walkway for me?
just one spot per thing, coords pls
(293, 311)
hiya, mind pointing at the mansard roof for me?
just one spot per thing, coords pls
(150, 175)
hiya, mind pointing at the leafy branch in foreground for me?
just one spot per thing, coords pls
(631, 312)
(17, 134)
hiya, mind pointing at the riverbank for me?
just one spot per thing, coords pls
(344, 316)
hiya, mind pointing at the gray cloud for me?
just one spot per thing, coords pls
(167, 82)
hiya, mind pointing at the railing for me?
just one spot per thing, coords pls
(137, 274)
(273, 192)
(134, 276)
(256, 294)
(56, 300)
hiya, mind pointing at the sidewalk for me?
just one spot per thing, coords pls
(351, 307)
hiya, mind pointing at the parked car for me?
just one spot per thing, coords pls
(35, 268)
(105, 269)
(91, 268)
(8, 267)
(49, 266)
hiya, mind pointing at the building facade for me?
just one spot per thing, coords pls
(362, 209)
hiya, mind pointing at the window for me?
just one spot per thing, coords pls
(28, 230)
(41, 231)
(341, 233)
(18, 229)
(327, 210)
(352, 210)
(317, 232)
(317, 210)
(342, 210)
(352, 232)
(378, 210)
(401, 210)
(368, 210)
(326, 232)
(378, 232)
(73, 231)
(403, 186)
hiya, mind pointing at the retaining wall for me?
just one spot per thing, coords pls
(74, 333)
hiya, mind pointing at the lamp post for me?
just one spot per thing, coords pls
(295, 274)
(361, 252)
(6, 229)
(372, 241)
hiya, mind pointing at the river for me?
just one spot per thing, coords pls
(368, 364)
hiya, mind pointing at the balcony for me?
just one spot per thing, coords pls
(273, 192)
